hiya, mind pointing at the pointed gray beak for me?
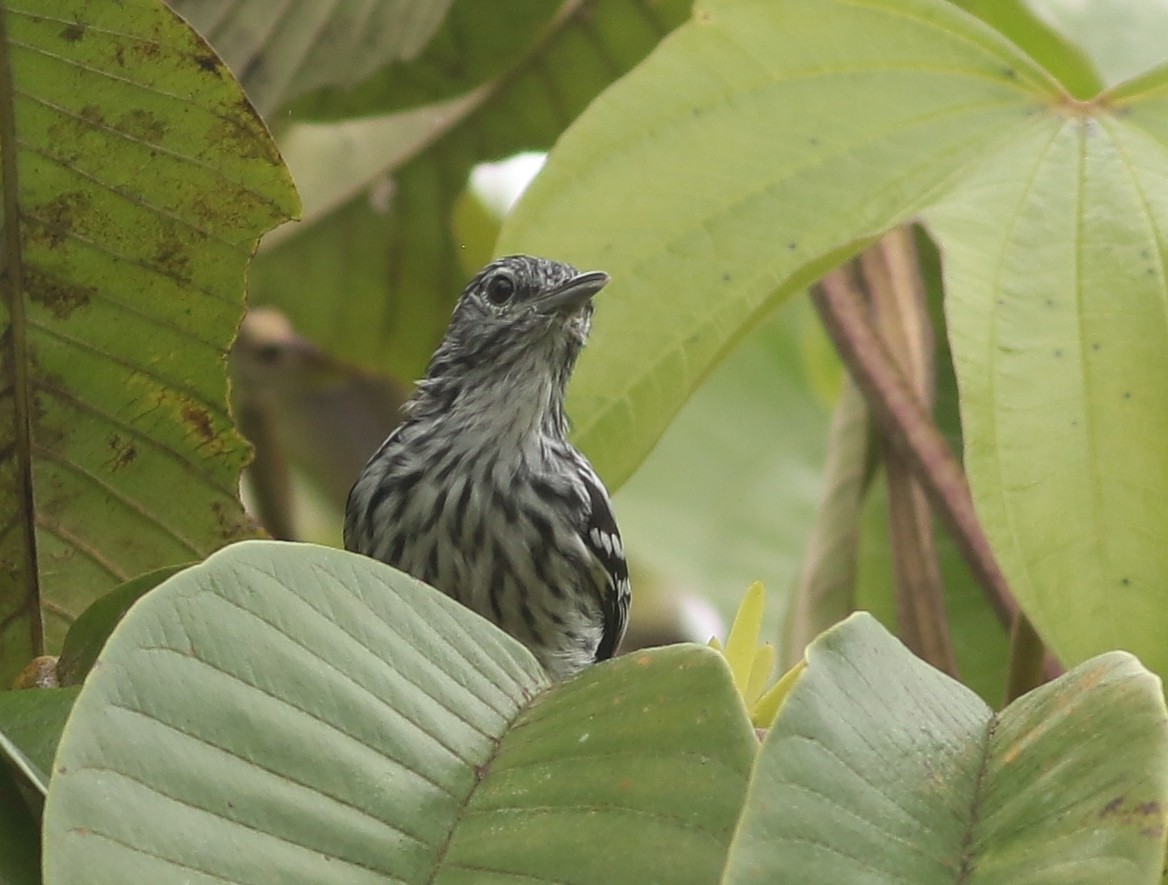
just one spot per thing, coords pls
(572, 295)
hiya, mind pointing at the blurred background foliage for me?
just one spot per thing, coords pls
(384, 118)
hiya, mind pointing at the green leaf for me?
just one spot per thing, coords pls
(779, 135)
(20, 840)
(31, 722)
(881, 769)
(449, 757)
(89, 632)
(143, 180)
(280, 53)
(1057, 301)
(30, 728)
(375, 279)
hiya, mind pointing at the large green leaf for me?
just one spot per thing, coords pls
(1057, 301)
(882, 769)
(289, 713)
(136, 181)
(375, 279)
(778, 133)
(281, 51)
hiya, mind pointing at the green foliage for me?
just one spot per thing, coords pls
(311, 47)
(143, 181)
(450, 758)
(30, 726)
(1059, 333)
(881, 769)
(19, 835)
(803, 145)
(446, 755)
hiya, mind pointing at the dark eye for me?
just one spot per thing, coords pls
(500, 288)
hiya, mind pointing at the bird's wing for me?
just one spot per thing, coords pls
(603, 539)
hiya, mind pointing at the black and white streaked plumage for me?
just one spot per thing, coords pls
(479, 493)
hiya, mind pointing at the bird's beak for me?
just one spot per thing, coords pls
(571, 296)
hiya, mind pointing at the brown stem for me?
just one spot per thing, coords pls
(891, 278)
(911, 431)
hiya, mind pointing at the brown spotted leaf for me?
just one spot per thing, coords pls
(136, 180)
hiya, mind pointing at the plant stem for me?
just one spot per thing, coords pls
(890, 275)
(910, 430)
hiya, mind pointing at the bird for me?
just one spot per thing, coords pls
(478, 491)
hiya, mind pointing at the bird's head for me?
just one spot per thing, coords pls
(515, 333)
(520, 310)
(522, 302)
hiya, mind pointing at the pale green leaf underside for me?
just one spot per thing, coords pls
(143, 180)
(882, 769)
(319, 717)
(1058, 315)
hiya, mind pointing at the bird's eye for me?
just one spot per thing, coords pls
(500, 288)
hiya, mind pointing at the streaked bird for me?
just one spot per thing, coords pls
(479, 493)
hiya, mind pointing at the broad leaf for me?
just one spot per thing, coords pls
(881, 769)
(319, 717)
(842, 119)
(1057, 303)
(778, 134)
(136, 181)
(475, 45)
